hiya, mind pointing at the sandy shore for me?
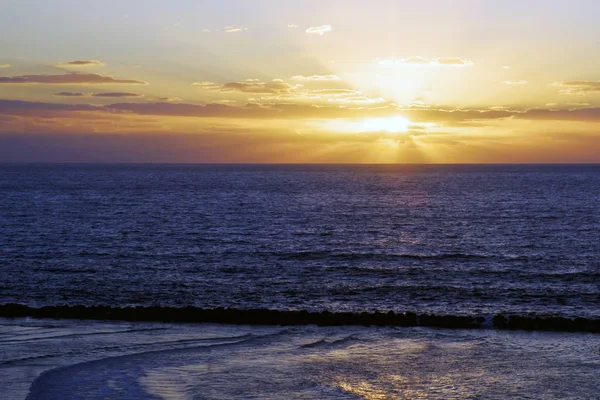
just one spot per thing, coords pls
(70, 359)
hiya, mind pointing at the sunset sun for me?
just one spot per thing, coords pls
(389, 125)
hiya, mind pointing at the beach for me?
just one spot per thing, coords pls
(69, 359)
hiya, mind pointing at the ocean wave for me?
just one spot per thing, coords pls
(303, 317)
(331, 343)
(319, 255)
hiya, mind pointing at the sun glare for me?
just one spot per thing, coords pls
(389, 125)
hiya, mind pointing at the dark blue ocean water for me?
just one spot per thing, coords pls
(465, 239)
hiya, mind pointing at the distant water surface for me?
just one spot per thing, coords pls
(463, 239)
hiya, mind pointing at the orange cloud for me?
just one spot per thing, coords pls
(5, 66)
(67, 79)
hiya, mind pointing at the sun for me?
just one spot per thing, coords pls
(389, 125)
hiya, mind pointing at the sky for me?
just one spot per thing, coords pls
(300, 81)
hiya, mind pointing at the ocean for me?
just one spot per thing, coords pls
(446, 240)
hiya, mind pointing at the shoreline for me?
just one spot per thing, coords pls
(75, 359)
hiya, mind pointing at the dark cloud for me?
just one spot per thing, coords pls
(82, 63)
(107, 94)
(193, 110)
(17, 107)
(67, 79)
(292, 110)
(9, 105)
(250, 86)
(71, 94)
(116, 94)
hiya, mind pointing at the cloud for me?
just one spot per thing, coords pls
(427, 62)
(317, 78)
(5, 66)
(580, 114)
(71, 94)
(207, 85)
(67, 79)
(578, 87)
(233, 29)
(448, 117)
(81, 63)
(168, 99)
(319, 30)
(292, 26)
(17, 107)
(279, 91)
(419, 104)
(335, 92)
(107, 94)
(459, 62)
(416, 60)
(117, 94)
(357, 100)
(253, 86)
(521, 82)
(193, 110)
(265, 111)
